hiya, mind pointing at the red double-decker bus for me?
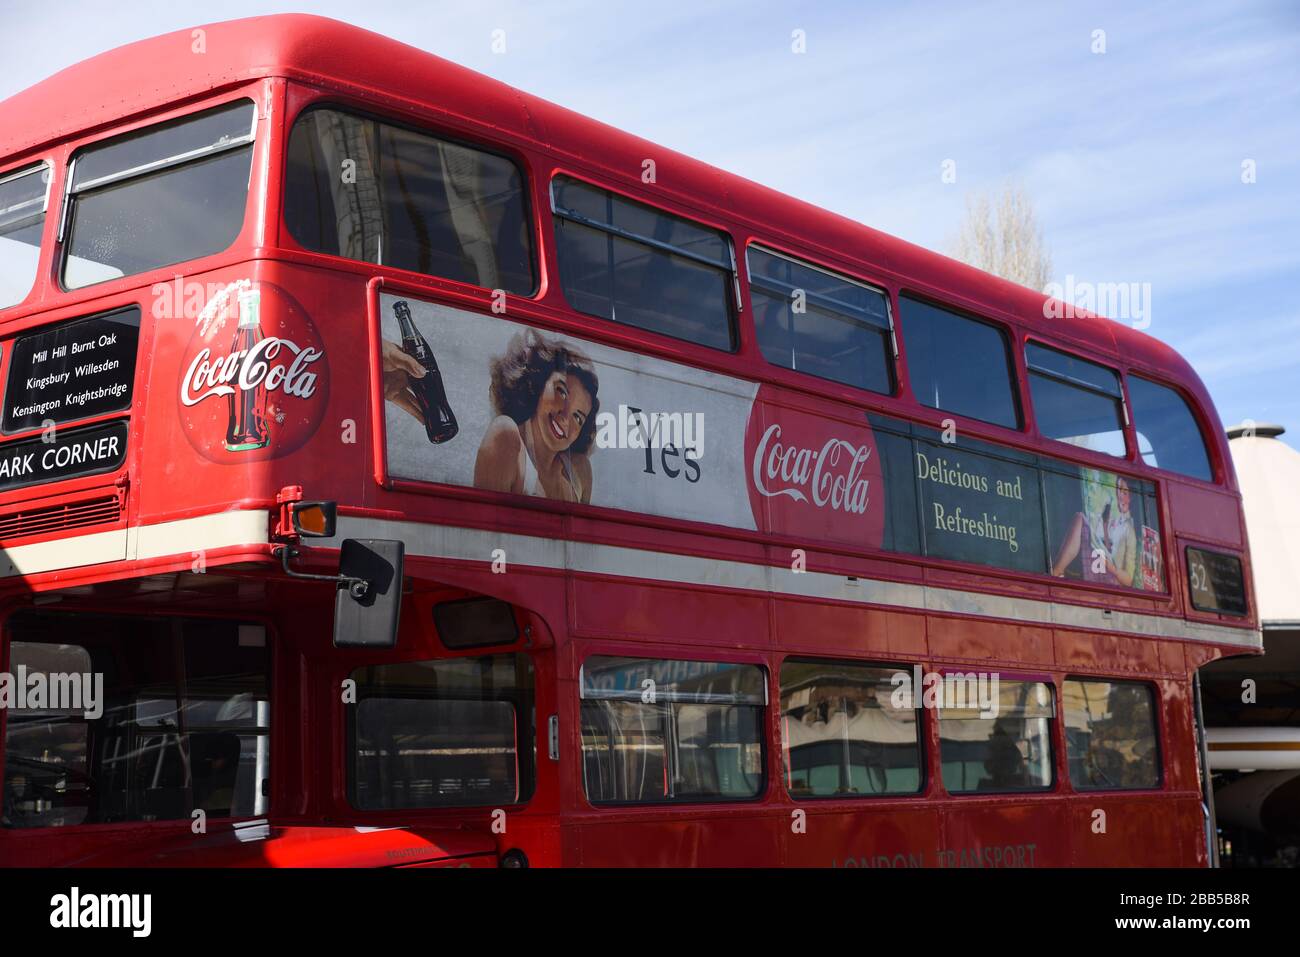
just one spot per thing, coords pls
(401, 470)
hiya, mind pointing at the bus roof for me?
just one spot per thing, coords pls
(140, 77)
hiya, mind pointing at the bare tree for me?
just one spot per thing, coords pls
(1001, 235)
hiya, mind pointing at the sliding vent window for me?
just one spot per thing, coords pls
(843, 733)
(671, 731)
(164, 195)
(384, 194)
(1167, 434)
(959, 365)
(1110, 735)
(1076, 401)
(23, 200)
(633, 264)
(821, 323)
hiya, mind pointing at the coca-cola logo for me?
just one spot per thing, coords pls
(833, 476)
(254, 381)
(814, 477)
(247, 369)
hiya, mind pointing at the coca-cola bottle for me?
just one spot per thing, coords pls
(247, 428)
(430, 395)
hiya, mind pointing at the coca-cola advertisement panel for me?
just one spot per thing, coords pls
(482, 401)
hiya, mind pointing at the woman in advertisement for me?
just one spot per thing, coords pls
(544, 394)
(1104, 531)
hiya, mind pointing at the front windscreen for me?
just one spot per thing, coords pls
(164, 195)
(114, 718)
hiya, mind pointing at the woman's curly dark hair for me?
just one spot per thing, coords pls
(520, 376)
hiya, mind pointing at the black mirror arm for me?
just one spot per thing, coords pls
(357, 587)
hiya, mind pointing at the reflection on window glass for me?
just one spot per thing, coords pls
(1167, 433)
(164, 195)
(1076, 401)
(630, 263)
(1009, 751)
(662, 731)
(415, 201)
(1110, 735)
(448, 733)
(183, 724)
(22, 219)
(841, 734)
(820, 323)
(958, 364)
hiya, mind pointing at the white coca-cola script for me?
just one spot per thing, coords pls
(831, 476)
(249, 368)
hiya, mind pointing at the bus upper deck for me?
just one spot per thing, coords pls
(160, 215)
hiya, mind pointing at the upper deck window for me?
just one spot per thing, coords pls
(163, 195)
(23, 200)
(379, 193)
(1076, 401)
(959, 365)
(820, 323)
(1167, 434)
(630, 263)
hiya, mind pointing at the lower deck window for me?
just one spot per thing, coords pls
(999, 749)
(1110, 735)
(153, 719)
(843, 735)
(453, 732)
(657, 731)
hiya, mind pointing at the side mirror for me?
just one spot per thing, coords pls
(369, 593)
(314, 519)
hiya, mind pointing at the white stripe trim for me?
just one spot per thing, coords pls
(202, 533)
(185, 536)
(224, 529)
(64, 553)
(475, 545)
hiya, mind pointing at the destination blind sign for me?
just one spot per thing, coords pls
(1216, 581)
(73, 371)
(75, 451)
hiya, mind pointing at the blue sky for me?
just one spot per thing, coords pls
(1133, 156)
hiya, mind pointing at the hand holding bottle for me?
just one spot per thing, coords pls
(397, 366)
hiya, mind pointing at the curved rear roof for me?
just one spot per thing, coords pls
(148, 74)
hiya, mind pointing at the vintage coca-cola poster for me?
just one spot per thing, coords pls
(482, 401)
